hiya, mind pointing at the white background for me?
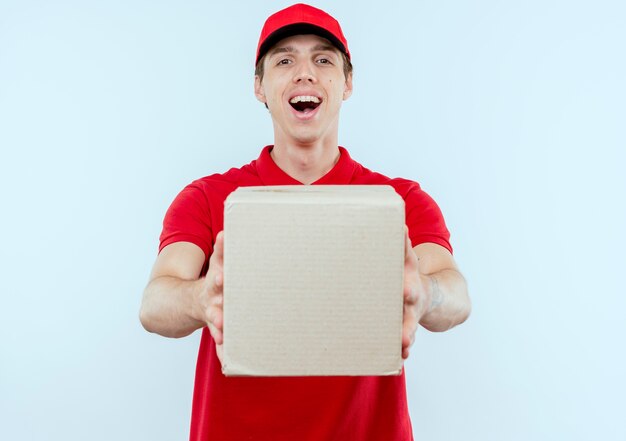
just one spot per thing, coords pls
(510, 114)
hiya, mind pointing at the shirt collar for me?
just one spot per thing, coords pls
(271, 174)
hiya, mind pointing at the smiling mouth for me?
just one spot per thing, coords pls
(305, 104)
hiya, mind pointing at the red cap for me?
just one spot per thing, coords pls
(297, 20)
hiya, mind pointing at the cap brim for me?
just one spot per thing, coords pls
(297, 29)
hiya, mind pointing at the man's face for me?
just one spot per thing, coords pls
(303, 86)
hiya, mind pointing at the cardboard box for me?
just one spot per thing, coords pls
(313, 281)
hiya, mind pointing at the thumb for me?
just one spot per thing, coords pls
(409, 255)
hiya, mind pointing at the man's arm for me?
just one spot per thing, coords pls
(435, 292)
(176, 301)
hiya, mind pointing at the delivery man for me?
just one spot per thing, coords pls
(303, 74)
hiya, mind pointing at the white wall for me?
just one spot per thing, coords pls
(511, 114)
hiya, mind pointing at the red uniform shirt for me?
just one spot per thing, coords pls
(292, 408)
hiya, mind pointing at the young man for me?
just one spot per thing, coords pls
(303, 75)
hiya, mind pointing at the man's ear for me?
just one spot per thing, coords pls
(258, 90)
(347, 90)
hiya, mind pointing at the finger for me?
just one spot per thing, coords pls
(406, 339)
(218, 249)
(408, 336)
(219, 281)
(407, 347)
(407, 242)
(410, 294)
(215, 316)
(409, 254)
(409, 327)
(215, 322)
(218, 300)
(216, 334)
(219, 349)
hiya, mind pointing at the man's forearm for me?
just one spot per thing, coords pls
(169, 307)
(450, 303)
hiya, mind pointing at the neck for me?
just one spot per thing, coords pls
(305, 162)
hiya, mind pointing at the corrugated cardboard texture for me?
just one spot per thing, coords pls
(313, 281)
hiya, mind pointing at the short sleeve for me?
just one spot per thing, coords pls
(424, 219)
(188, 219)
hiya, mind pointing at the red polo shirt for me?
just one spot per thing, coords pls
(292, 408)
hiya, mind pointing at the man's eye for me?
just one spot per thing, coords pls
(284, 61)
(323, 61)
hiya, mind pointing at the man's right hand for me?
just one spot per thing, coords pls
(177, 301)
(211, 297)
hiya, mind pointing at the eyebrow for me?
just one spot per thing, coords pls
(291, 49)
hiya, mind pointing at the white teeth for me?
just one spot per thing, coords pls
(306, 99)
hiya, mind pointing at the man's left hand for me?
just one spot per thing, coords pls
(417, 296)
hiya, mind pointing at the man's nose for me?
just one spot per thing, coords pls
(304, 74)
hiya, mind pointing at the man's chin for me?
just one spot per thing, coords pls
(306, 137)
